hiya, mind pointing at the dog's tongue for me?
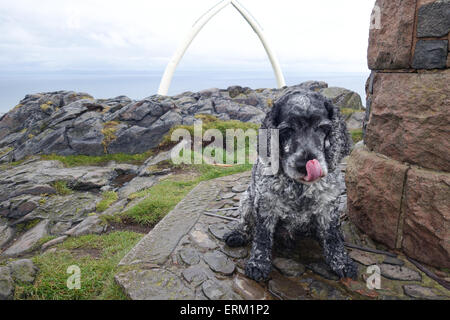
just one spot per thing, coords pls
(314, 170)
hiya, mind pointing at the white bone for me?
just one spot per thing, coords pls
(197, 27)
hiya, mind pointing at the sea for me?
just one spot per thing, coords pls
(138, 85)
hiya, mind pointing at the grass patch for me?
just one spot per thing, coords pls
(348, 111)
(108, 198)
(9, 165)
(165, 195)
(44, 240)
(109, 132)
(97, 273)
(25, 226)
(5, 151)
(61, 188)
(211, 122)
(46, 106)
(80, 160)
(357, 135)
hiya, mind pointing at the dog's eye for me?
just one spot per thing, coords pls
(325, 127)
(284, 128)
(285, 131)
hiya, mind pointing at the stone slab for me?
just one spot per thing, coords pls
(426, 231)
(390, 45)
(23, 270)
(399, 273)
(6, 234)
(375, 188)
(6, 284)
(430, 54)
(27, 241)
(155, 284)
(157, 246)
(409, 119)
(433, 19)
(289, 267)
(419, 292)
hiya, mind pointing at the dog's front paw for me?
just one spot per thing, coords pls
(235, 239)
(258, 271)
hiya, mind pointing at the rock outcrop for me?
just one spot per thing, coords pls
(15, 272)
(343, 98)
(398, 186)
(69, 123)
(43, 199)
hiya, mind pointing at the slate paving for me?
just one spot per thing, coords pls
(184, 257)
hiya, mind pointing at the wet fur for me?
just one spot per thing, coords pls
(279, 207)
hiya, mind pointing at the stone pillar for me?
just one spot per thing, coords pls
(399, 181)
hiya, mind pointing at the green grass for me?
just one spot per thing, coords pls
(108, 198)
(61, 188)
(46, 106)
(7, 150)
(97, 272)
(348, 111)
(164, 196)
(80, 160)
(357, 135)
(211, 122)
(44, 240)
(25, 226)
(10, 165)
(109, 133)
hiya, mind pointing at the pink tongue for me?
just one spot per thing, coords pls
(314, 170)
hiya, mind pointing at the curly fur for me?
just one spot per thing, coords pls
(282, 207)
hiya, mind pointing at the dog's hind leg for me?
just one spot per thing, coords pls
(335, 252)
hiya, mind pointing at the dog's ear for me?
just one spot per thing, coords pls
(271, 119)
(270, 122)
(340, 142)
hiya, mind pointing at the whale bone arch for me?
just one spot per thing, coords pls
(198, 26)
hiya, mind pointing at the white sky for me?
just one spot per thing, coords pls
(307, 35)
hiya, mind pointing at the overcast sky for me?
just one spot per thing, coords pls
(307, 35)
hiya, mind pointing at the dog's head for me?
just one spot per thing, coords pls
(313, 135)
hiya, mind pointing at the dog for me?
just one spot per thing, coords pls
(302, 199)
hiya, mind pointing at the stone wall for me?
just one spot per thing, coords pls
(399, 181)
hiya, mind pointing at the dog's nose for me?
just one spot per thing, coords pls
(300, 163)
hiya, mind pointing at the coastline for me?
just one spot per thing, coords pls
(138, 85)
